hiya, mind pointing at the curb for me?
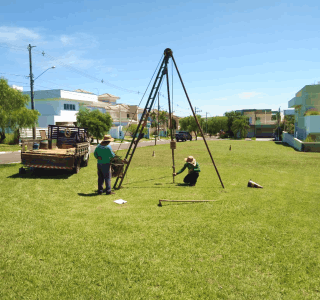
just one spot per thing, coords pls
(10, 152)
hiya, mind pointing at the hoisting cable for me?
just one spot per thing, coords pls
(172, 91)
(172, 143)
(139, 103)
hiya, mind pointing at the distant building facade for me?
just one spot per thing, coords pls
(60, 107)
(262, 122)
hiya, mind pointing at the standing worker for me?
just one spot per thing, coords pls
(104, 153)
(193, 172)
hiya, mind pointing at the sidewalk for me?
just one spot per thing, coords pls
(15, 157)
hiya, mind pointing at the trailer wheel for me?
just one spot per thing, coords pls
(76, 168)
(84, 162)
(22, 171)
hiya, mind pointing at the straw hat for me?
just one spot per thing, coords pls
(107, 138)
(191, 160)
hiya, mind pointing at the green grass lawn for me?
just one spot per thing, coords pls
(9, 148)
(59, 240)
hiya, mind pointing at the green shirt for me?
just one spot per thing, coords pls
(190, 167)
(105, 152)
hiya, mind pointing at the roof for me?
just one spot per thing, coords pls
(108, 95)
(83, 91)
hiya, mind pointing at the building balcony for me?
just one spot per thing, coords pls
(295, 101)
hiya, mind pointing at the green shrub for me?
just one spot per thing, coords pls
(224, 136)
(253, 138)
(10, 139)
(310, 139)
(312, 112)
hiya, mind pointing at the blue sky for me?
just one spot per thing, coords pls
(231, 54)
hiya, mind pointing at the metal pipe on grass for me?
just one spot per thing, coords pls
(166, 200)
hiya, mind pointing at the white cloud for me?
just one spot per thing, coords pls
(79, 40)
(248, 95)
(66, 40)
(11, 34)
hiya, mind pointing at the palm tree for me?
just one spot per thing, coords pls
(153, 117)
(163, 118)
(240, 125)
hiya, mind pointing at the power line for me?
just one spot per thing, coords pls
(15, 75)
(71, 68)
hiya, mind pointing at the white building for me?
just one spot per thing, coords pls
(60, 107)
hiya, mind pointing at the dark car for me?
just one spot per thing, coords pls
(183, 136)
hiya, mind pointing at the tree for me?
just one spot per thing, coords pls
(190, 124)
(288, 124)
(215, 124)
(240, 125)
(232, 115)
(98, 123)
(163, 119)
(153, 117)
(132, 128)
(13, 111)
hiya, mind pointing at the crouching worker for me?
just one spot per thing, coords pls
(104, 153)
(193, 171)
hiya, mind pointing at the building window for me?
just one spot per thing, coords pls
(128, 116)
(257, 118)
(69, 107)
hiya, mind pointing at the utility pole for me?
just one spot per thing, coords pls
(34, 132)
(279, 125)
(197, 110)
(206, 123)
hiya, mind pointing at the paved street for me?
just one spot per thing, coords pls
(15, 157)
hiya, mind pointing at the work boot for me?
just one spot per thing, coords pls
(110, 193)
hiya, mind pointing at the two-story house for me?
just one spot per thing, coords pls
(306, 101)
(262, 122)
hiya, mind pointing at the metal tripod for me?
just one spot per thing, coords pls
(163, 70)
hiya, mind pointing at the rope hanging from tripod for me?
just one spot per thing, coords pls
(139, 105)
(172, 143)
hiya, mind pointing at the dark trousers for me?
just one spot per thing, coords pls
(191, 178)
(104, 175)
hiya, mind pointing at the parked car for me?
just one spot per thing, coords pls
(183, 136)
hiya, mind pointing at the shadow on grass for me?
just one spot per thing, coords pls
(160, 186)
(89, 194)
(152, 180)
(43, 174)
(279, 143)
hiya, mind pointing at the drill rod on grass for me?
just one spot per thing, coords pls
(165, 200)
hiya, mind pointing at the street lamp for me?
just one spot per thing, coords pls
(34, 132)
(44, 72)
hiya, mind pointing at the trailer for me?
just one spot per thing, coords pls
(65, 147)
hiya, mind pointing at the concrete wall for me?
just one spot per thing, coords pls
(299, 145)
(291, 140)
(311, 147)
